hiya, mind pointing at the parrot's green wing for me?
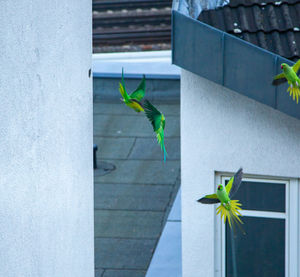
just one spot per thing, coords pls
(139, 93)
(158, 123)
(234, 183)
(123, 92)
(209, 199)
(279, 79)
(153, 115)
(296, 66)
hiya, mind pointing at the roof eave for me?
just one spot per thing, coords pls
(228, 61)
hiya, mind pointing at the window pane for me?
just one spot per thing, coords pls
(261, 196)
(261, 252)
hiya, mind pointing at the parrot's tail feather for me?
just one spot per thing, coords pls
(230, 213)
(295, 91)
(238, 223)
(165, 153)
(160, 139)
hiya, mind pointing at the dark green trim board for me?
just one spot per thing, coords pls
(229, 61)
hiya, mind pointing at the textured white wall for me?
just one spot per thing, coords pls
(46, 179)
(222, 130)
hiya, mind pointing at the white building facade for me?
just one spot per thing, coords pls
(46, 187)
(222, 130)
(232, 117)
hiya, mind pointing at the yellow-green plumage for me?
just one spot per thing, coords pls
(289, 74)
(133, 100)
(230, 213)
(158, 122)
(229, 209)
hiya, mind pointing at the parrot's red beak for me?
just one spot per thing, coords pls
(219, 187)
(281, 67)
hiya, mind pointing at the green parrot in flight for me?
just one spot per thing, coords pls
(289, 74)
(158, 122)
(133, 100)
(229, 208)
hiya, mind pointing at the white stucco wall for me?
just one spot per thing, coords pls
(222, 130)
(46, 180)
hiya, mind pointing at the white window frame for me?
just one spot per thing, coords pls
(292, 224)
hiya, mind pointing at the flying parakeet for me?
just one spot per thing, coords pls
(133, 100)
(158, 122)
(229, 209)
(289, 74)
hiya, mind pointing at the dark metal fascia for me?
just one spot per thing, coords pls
(229, 61)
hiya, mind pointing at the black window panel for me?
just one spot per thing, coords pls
(261, 196)
(261, 252)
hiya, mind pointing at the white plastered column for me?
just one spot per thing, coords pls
(46, 175)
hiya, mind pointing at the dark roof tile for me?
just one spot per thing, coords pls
(284, 44)
(235, 3)
(274, 26)
(254, 18)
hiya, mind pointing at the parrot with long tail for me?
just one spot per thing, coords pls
(289, 74)
(158, 122)
(133, 100)
(229, 209)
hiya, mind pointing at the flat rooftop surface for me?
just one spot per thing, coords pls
(134, 188)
